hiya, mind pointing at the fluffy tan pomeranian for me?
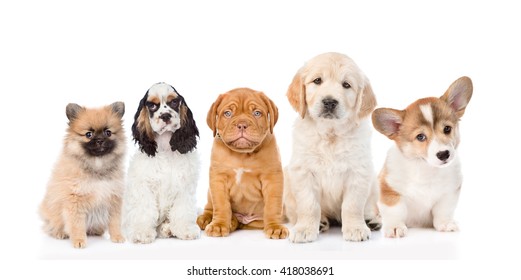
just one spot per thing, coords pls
(84, 193)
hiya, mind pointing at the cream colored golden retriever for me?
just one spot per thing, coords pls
(330, 175)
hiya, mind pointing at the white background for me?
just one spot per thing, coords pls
(97, 52)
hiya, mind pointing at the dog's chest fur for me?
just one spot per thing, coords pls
(420, 185)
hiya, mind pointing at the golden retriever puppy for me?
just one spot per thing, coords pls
(330, 176)
(246, 179)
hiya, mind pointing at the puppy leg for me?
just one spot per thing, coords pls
(115, 220)
(308, 209)
(75, 223)
(183, 216)
(204, 219)
(272, 194)
(353, 205)
(53, 223)
(443, 211)
(394, 217)
(220, 225)
(140, 213)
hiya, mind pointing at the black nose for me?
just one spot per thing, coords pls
(99, 141)
(443, 155)
(329, 104)
(165, 117)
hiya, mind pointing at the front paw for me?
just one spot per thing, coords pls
(117, 238)
(204, 220)
(215, 229)
(79, 243)
(143, 236)
(276, 232)
(356, 233)
(446, 226)
(395, 231)
(303, 234)
(189, 232)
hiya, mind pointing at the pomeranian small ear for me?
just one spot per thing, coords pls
(118, 108)
(458, 95)
(387, 121)
(72, 110)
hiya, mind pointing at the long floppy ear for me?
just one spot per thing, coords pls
(184, 139)
(211, 117)
(366, 100)
(387, 121)
(297, 95)
(273, 111)
(142, 131)
(458, 95)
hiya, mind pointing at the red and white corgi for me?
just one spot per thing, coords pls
(421, 178)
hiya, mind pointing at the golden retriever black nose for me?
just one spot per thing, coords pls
(329, 104)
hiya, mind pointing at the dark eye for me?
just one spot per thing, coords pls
(88, 134)
(421, 137)
(346, 85)
(317, 81)
(447, 129)
(152, 106)
(257, 113)
(173, 103)
(227, 114)
(107, 132)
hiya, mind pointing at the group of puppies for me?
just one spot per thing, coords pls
(330, 177)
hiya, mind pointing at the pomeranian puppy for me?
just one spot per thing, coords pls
(85, 190)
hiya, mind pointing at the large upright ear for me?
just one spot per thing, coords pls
(142, 130)
(118, 108)
(211, 117)
(273, 111)
(387, 121)
(72, 110)
(184, 139)
(458, 95)
(366, 100)
(297, 95)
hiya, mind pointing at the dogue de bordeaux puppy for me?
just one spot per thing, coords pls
(246, 179)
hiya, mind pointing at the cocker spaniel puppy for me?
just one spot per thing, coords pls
(162, 177)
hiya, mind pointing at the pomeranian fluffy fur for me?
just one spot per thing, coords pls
(84, 193)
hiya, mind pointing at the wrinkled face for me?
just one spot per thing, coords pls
(430, 131)
(330, 86)
(163, 105)
(241, 118)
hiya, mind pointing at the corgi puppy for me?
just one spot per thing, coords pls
(421, 178)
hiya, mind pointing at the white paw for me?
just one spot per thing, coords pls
(356, 233)
(189, 232)
(446, 226)
(395, 231)
(163, 230)
(303, 235)
(143, 236)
